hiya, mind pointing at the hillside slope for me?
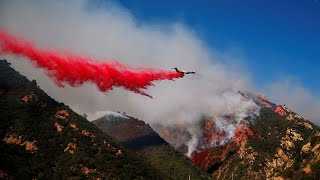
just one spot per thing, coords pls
(44, 139)
(277, 144)
(276, 148)
(140, 137)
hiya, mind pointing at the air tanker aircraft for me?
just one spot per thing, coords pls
(184, 72)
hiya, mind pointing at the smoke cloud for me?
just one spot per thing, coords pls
(111, 32)
(291, 92)
(76, 70)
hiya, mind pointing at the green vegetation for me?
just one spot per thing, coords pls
(44, 139)
(171, 164)
(273, 133)
(270, 128)
(37, 149)
(141, 138)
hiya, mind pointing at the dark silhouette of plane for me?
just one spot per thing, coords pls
(184, 72)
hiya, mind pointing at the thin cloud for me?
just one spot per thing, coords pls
(291, 92)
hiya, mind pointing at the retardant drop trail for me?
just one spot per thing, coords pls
(75, 70)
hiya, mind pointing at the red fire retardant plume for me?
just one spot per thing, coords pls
(76, 70)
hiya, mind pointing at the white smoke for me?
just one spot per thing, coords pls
(192, 143)
(111, 32)
(290, 91)
(108, 114)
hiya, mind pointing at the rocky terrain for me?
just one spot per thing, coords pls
(44, 139)
(137, 136)
(278, 144)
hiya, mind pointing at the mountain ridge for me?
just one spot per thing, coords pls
(44, 139)
(278, 143)
(138, 136)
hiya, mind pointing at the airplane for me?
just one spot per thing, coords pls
(184, 72)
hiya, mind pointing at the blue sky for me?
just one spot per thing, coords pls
(277, 42)
(275, 38)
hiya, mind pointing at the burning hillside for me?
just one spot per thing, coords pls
(196, 140)
(211, 131)
(253, 145)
